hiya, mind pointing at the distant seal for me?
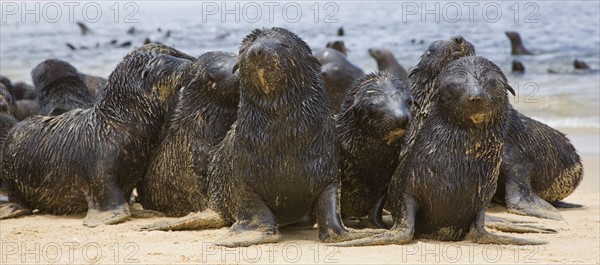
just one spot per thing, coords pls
(370, 127)
(518, 67)
(93, 83)
(60, 88)
(278, 163)
(516, 44)
(338, 45)
(176, 180)
(442, 190)
(387, 62)
(90, 160)
(529, 185)
(580, 65)
(338, 73)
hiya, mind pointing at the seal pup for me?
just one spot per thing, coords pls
(176, 180)
(457, 154)
(90, 160)
(370, 127)
(60, 88)
(278, 162)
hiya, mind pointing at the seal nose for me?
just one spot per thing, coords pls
(257, 50)
(401, 118)
(474, 98)
(458, 39)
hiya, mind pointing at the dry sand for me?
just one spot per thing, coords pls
(63, 239)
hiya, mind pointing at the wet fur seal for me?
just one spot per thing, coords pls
(457, 152)
(370, 127)
(176, 180)
(90, 160)
(278, 162)
(60, 88)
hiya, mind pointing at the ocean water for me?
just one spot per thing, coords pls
(558, 32)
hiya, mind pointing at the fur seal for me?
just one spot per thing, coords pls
(93, 83)
(529, 185)
(18, 90)
(176, 180)
(25, 108)
(518, 67)
(338, 74)
(7, 121)
(278, 162)
(60, 88)
(387, 62)
(83, 28)
(338, 45)
(370, 127)
(458, 154)
(91, 159)
(516, 44)
(580, 65)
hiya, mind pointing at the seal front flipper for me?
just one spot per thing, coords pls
(329, 219)
(13, 210)
(520, 198)
(510, 226)
(201, 220)
(479, 235)
(401, 233)
(376, 213)
(255, 223)
(106, 204)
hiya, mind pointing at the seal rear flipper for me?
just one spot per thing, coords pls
(138, 212)
(391, 237)
(201, 220)
(504, 225)
(13, 210)
(520, 198)
(530, 204)
(479, 235)
(566, 205)
(245, 238)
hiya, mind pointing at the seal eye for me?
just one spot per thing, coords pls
(432, 49)
(215, 74)
(410, 101)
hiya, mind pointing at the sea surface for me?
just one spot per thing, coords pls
(551, 90)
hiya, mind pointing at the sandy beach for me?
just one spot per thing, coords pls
(64, 240)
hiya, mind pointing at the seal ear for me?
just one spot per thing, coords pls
(510, 89)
